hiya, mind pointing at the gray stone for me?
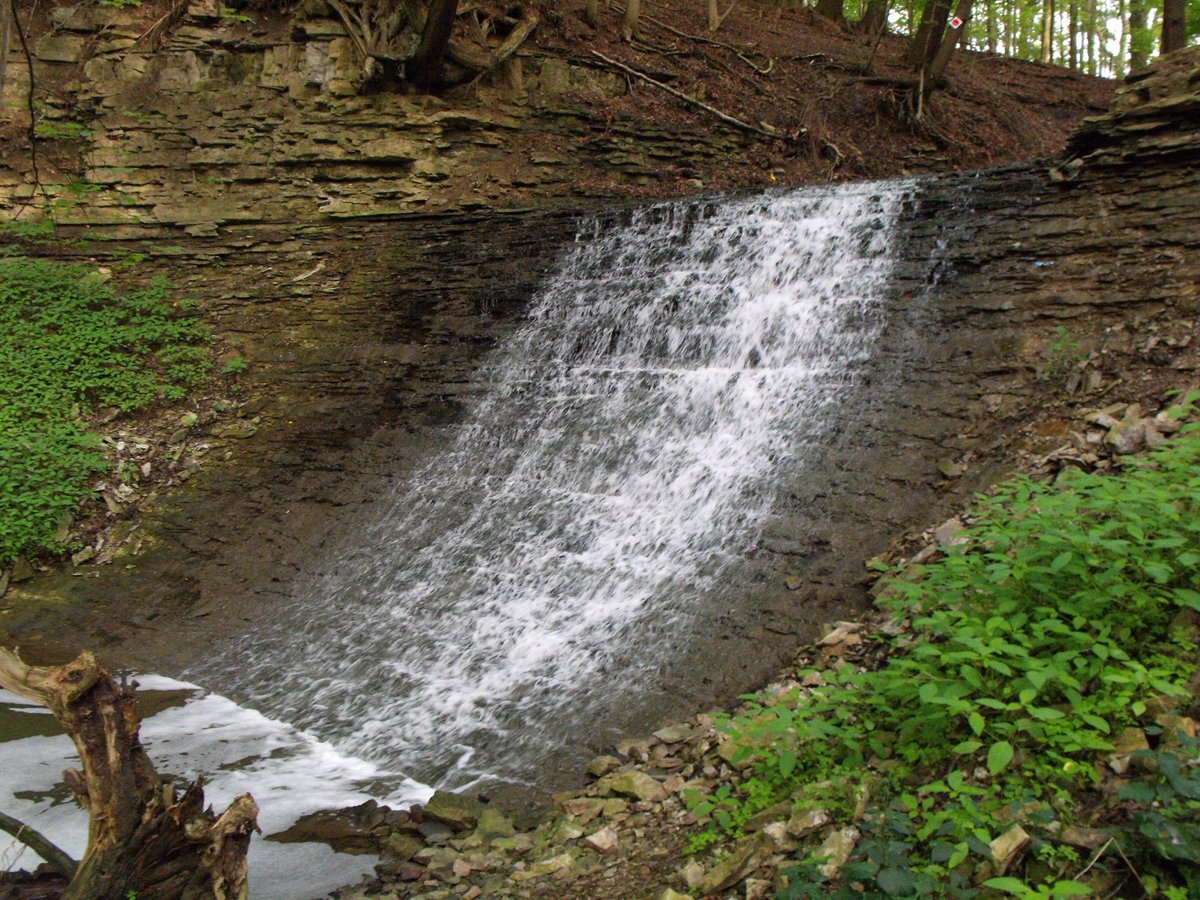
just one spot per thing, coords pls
(60, 48)
(836, 849)
(745, 857)
(634, 784)
(604, 841)
(602, 765)
(675, 734)
(1008, 848)
(21, 570)
(555, 77)
(1127, 436)
(460, 813)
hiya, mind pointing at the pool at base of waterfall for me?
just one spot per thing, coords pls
(188, 732)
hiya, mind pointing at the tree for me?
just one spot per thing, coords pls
(143, 837)
(929, 33)
(425, 70)
(1048, 31)
(874, 18)
(832, 9)
(715, 16)
(629, 23)
(1140, 40)
(1174, 27)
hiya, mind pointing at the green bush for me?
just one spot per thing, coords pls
(73, 346)
(1030, 647)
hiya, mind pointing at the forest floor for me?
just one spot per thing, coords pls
(834, 95)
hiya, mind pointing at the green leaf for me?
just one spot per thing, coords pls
(999, 756)
(1070, 889)
(1009, 885)
(787, 763)
(1096, 722)
(896, 882)
(976, 721)
(966, 747)
(1060, 561)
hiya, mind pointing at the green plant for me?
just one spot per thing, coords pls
(235, 366)
(229, 14)
(1167, 803)
(1031, 645)
(1061, 354)
(72, 346)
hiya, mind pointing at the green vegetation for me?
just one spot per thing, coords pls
(73, 346)
(235, 366)
(1067, 617)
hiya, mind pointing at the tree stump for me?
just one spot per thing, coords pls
(143, 837)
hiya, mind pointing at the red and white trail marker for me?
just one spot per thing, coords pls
(956, 22)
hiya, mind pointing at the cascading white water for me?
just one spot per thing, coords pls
(618, 465)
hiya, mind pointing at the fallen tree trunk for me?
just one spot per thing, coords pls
(143, 837)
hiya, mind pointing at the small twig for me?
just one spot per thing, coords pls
(1128, 863)
(724, 117)
(35, 841)
(1095, 859)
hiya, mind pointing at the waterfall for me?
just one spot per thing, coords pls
(617, 466)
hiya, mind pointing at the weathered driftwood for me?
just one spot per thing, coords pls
(142, 835)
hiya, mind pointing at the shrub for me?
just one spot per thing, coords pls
(1028, 649)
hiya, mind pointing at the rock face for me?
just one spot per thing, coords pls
(361, 337)
(227, 122)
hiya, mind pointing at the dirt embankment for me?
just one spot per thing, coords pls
(218, 120)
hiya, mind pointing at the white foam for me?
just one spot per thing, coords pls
(618, 463)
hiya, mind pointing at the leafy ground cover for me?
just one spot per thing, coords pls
(1024, 728)
(73, 347)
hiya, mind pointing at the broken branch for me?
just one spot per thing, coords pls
(39, 844)
(687, 98)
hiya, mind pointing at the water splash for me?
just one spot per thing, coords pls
(619, 463)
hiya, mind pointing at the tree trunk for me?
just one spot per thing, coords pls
(950, 40)
(629, 24)
(5, 28)
(1123, 44)
(874, 19)
(425, 68)
(1139, 38)
(1093, 24)
(1174, 26)
(142, 838)
(831, 9)
(1048, 31)
(1073, 46)
(929, 33)
(991, 26)
(591, 13)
